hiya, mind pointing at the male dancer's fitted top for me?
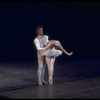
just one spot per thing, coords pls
(39, 43)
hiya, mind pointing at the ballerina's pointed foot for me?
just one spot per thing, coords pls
(70, 53)
(50, 81)
(40, 83)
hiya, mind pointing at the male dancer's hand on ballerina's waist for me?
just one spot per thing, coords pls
(39, 51)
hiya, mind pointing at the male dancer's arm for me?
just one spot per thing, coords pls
(37, 44)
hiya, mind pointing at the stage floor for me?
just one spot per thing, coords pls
(74, 79)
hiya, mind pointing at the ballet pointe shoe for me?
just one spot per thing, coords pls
(45, 82)
(39, 83)
(50, 80)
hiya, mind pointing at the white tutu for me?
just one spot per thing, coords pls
(52, 53)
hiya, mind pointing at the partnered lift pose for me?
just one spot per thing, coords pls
(47, 52)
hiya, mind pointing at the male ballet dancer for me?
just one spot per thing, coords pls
(40, 41)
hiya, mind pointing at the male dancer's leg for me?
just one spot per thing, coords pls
(40, 68)
(43, 71)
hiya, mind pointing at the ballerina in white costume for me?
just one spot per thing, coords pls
(46, 51)
(51, 51)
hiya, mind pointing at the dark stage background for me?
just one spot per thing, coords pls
(75, 24)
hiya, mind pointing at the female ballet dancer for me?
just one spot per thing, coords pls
(52, 44)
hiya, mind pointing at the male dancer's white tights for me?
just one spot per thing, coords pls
(41, 69)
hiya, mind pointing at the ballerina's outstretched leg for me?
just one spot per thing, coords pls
(60, 46)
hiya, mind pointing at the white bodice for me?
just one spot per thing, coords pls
(39, 43)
